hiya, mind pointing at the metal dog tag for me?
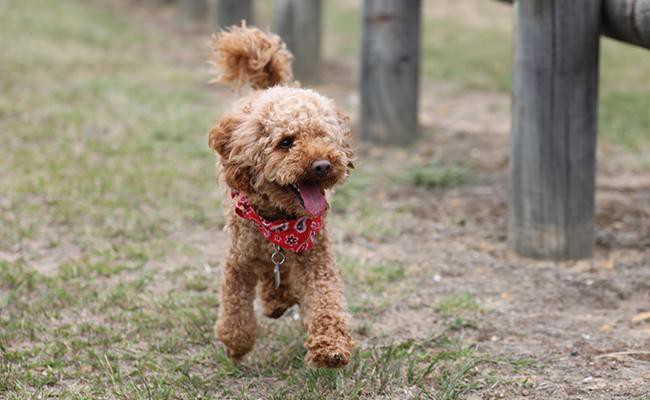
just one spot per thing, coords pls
(276, 273)
(277, 258)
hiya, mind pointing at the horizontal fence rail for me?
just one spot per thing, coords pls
(628, 21)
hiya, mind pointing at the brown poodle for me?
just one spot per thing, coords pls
(281, 149)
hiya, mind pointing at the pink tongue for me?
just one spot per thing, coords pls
(313, 199)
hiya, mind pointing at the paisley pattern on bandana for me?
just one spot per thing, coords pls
(296, 235)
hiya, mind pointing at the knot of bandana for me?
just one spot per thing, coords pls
(297, 235)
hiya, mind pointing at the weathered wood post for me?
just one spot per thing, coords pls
(232, 12)
(298, 22)
(195, 9)
(554, 123)
(389, 71)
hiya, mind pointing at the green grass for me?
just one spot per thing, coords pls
(105, 161)
(625, 77)
(474, 57)
(459, 311)
(457, 303)
(434, 176)
(632, 132)
(134, 342)
(357, 204)
(376, 277)
(99, 130)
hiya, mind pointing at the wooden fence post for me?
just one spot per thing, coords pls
(195, 9)
(298, 22)
(554, 124)
(232, 12)
(389, 70)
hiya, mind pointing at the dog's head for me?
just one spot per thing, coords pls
(284, 147)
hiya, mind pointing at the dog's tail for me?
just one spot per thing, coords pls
(243, 54)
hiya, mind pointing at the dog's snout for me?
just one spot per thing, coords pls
(321, 167)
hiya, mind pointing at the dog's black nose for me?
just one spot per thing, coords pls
(321, 167)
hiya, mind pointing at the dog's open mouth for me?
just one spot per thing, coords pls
(311, 196)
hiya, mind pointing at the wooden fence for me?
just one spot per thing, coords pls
(554, 119)
(554, 91)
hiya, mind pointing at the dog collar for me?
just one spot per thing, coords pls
(297, 235)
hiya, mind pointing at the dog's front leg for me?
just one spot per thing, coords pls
(322, 310)
(236, 326)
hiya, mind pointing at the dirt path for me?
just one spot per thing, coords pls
(573, 318)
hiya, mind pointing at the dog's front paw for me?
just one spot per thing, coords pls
(331, 358)
(329, 353)
(334, 359)
(238, 340)
(235, 355)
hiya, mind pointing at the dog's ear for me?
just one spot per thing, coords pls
(220, 140)
(237, 177)
(221, 135)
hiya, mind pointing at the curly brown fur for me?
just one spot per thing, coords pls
(247, 141)
(245, 54)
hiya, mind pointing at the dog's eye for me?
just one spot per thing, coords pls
(286, 143)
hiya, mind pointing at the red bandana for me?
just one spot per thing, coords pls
(292, 234)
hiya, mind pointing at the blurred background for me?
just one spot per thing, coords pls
(111, 224)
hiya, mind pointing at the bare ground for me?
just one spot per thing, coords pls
(575, 318)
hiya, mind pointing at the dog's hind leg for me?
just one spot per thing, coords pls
(236, 326)
(275, 301)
